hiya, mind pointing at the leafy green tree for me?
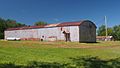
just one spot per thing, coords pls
(12, 23)
(40, 23)
(116, 32)
(102, 31)
(4, 24)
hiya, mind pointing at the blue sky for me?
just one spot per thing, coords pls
(53, 11)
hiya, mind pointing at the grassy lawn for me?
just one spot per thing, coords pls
(25, 52)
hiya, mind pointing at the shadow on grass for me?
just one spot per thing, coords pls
(79, 62)
(9, 65)
(35, 64)
(92, 42)
(95, 62)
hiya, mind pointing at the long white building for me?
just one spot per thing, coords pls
(80, 31)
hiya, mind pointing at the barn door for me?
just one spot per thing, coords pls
(67, 36)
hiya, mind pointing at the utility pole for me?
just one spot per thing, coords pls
(106, 28)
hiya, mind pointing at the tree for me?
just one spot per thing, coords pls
(40, 23)
(12, 24)
(116, 32)
(102, 31)
(4, 24)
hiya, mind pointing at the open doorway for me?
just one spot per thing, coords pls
(67, 36)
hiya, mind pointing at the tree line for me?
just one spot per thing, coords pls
(112, 31)
(9, 23)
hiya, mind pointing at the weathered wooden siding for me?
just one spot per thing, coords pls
(87, 32)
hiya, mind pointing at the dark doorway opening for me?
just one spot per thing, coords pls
(67, 36)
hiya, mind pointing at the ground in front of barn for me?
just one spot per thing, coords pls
(33, 54)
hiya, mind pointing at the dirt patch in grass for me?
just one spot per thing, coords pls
(103, 44)
(89, 46)
(37, 44)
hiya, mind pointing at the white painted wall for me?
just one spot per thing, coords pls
(46, 32)
(74, 33)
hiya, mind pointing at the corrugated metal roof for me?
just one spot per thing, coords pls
(78, 23)
(52, 25)
(27, 27)
(69, 24)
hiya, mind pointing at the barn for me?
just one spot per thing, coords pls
(79, 31)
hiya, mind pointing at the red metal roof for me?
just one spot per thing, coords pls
(78, 23)
(69, 24)
(27, 27)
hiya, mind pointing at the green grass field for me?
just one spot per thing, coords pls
(23, 53)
